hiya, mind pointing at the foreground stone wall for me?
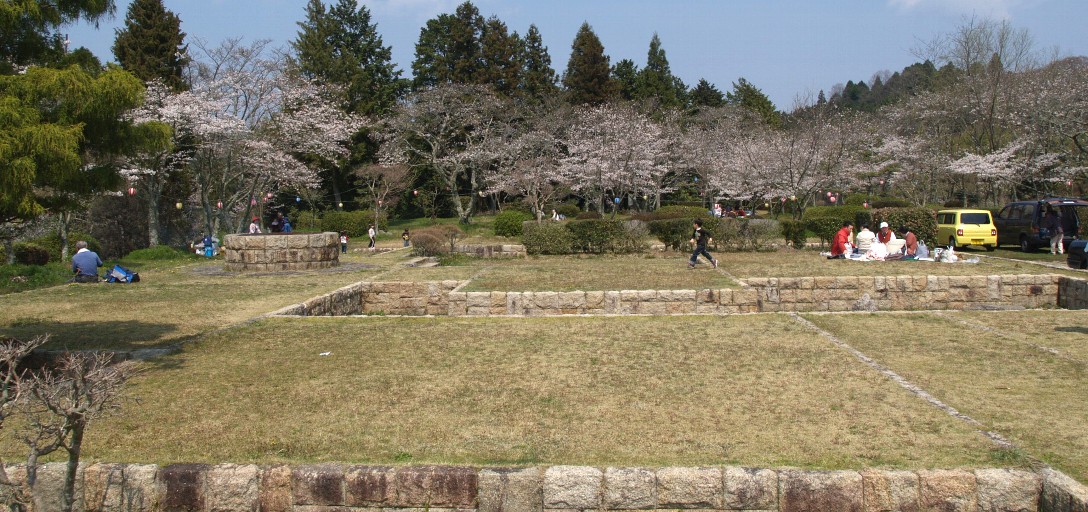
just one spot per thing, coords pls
(281, 251)
(890, 293)
(342, 488)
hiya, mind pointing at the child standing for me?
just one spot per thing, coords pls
(700, 237)
(372, 234)
(344, 242)
(405, 236)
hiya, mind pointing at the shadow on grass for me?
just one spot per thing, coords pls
(106, 334)
(1074, 330)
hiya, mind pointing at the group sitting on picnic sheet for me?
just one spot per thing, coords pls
(879, 246)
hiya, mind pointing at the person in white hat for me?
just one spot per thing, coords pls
(885, 234)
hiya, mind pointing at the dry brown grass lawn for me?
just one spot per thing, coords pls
(169, 305)
(659, 271)
(1033, 397)
(754, 390)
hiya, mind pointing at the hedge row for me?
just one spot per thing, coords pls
(728, 233)
(593, 236)
(354, 223)
(825, 221)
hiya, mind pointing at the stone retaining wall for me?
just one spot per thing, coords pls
(891, 293)
(281, 251)
(1073, 293)
(492, 251)
(758, 295)
(379, 297)
(342, 488)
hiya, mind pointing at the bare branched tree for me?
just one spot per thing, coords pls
(13, 388)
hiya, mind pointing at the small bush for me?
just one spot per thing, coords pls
(445, 235)
(825, 221)
(890, 202)
(757, 234)
(674, 233)
(681, 212)
(547, 238)
(354, 223)
(508, 223)
(428, 244)
(157, 253)
(588, 215)
(794, 232)
(569, 210)
(31, 254)
(921, 221)
(51, 243)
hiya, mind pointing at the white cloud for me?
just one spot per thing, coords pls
(995, 8)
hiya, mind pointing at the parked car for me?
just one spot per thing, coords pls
(1019, 222)
(962, 227)
(1076, 257)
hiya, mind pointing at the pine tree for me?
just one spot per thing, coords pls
(538, 78)
(705, 94)
(30, 28)
(587, 79)
(655, 81)
(342, 46)
(151, 44)
(501, 55)
(449, 48)
(625, 75)
(749, 97)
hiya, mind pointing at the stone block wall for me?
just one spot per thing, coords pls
(492, 251)
(890, 293)
(281, 251)
(379, 297)
(342, 488)
(1073, 293)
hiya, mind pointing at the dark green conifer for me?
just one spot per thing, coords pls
(588, 79)
(151, 44)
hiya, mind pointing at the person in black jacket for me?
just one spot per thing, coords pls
(700, 237)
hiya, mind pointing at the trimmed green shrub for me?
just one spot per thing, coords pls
(354, 223)
(825, 221)
(508, 223)
(681, 212)
(674, 233)
(922, 221)
(547, 238)
(569, 210)
(594, 235)
(890, 202)
(794, 232)
(588, 215)
(51, 243)
(756, 234)
(157, 253)
(31, 254)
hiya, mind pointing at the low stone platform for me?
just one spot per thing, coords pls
(272, 252)
(340, 488)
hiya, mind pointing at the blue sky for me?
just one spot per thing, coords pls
(785, 47)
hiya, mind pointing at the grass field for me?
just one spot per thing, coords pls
(757, 390)
(760, 390)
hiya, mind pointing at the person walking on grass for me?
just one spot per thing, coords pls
(699, 238)
(371, 233)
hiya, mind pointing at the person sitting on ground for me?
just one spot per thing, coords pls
(885, 234)
(286, 224)
(739, 212)
(840, 245)
(277, 223)
(254, 227)
(910, 247)
(85, 264)
(864, 239)
(209, 246)
(555, 215)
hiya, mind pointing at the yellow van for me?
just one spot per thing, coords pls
(960, 228)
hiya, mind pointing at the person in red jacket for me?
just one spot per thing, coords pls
(841, 244)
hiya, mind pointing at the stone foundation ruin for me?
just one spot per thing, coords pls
(271, 252)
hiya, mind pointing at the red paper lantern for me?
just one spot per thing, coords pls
(415, 192)
(865, 204)
(268, 196)
(219, 204)
(132, 191)
(253, 202)
(783, 199)
(828, 193)
(833, 199)
(1069, 183)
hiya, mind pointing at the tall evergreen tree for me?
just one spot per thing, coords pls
(588, 79)
(538, 77)
(30, 28)
(748, 96)
(151, 44)
(655, 81)
(449, 48)
(342, 46)
(501, 55)
(625, 75)
(705, 94)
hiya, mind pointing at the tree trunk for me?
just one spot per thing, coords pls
(154, 200)
(65, 218)
(32, 480)
(73, 464)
